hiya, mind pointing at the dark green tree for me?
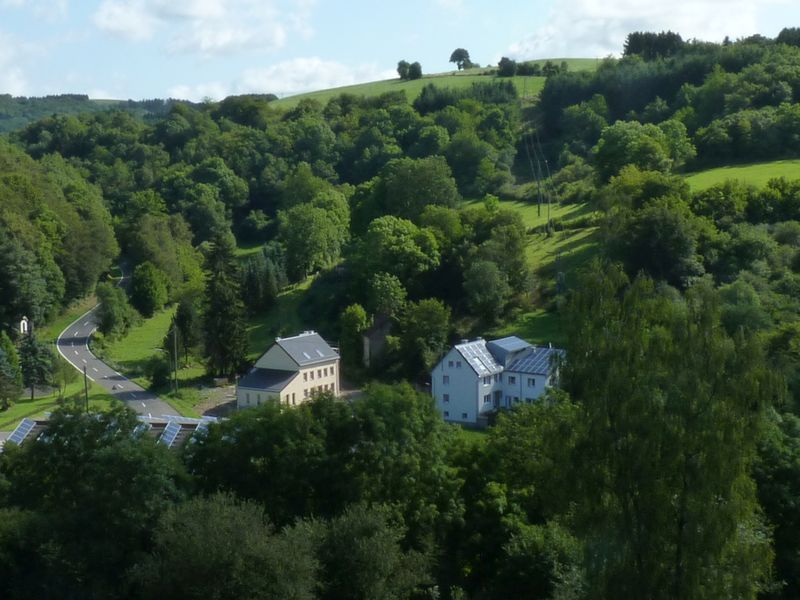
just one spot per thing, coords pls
(670, 411)
(460, 57)
(35, 362)
(487, 290)
(386, 295)
(506, 67)
(225, 336)
(362, 558)
(148, 289)
(414, 71)
(220, 547)
(10, 372)
(425, 326)
(402, 69)
(353, 323)
(114, 314)
(188, 322)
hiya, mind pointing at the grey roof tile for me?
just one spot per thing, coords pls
(268, 380)
(308, 348)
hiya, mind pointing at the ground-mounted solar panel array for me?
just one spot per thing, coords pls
(22, 431)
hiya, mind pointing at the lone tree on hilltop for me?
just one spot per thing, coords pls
(461, 58)
(402, 69)
(409, 71)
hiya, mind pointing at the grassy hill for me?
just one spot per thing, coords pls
(528, 86)
(755, 173)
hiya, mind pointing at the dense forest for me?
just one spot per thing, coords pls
(666, 466)
(18, 111)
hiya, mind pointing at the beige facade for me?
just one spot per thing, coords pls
(278, 376)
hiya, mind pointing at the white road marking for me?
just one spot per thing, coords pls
(76, 352)
(75, 334)
(85, 323)
(144, 405)
(84, 360)
(94, 369)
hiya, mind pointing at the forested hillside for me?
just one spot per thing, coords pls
(18, 111)
(665, 466)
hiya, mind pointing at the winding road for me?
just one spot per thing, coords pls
(73, 345)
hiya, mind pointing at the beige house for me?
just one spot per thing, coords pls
(291, 371)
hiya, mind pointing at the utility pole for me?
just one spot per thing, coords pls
(175, 355)
(86, 387)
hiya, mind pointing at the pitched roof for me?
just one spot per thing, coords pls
(268, 380)
(307, 348)
(479, 358)
(536, 361)
(502, 347)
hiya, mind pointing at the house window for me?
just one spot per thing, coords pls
(446, 379)
(319, 373)
(450, 363)
(305, 376)
(512, 379)
(247, 395)
(487, 398)
(446, 398)
(487, 380)
(312, 375)
(464, 416)
(458, 364)
(292, 397)
(331, 371)
(529, 400)
(325, 371)
(516, 399)
(305, 393)
(531, 382)
(446, 414)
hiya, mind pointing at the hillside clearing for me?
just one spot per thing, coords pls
(757, 174)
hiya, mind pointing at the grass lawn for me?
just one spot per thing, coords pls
(757, 174)
(131, 354)
(282, 319)
(247, 250)
(561, 252)
(527, 87)
(52, 330)
(24, 407)
(474, 436)
(534, 215)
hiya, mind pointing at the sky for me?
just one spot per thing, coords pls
(196, 49)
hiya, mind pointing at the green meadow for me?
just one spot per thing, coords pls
(757, 174)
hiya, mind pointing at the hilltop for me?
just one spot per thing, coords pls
(527, 86)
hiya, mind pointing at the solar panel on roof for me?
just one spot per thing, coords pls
(171, 432)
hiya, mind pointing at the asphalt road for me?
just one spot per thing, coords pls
(73, 345)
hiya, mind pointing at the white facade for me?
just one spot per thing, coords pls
(478, 377)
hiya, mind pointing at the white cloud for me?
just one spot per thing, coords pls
(307, 74)
(285, 78)
(594, 29)
(46, 9)
(207, 27)
(12, 77)
(131, 20)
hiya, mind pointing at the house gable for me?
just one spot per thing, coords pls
(278, 359)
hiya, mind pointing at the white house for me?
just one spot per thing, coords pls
(291, 371)
(477, 377)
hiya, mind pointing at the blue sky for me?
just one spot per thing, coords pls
(212, 48)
